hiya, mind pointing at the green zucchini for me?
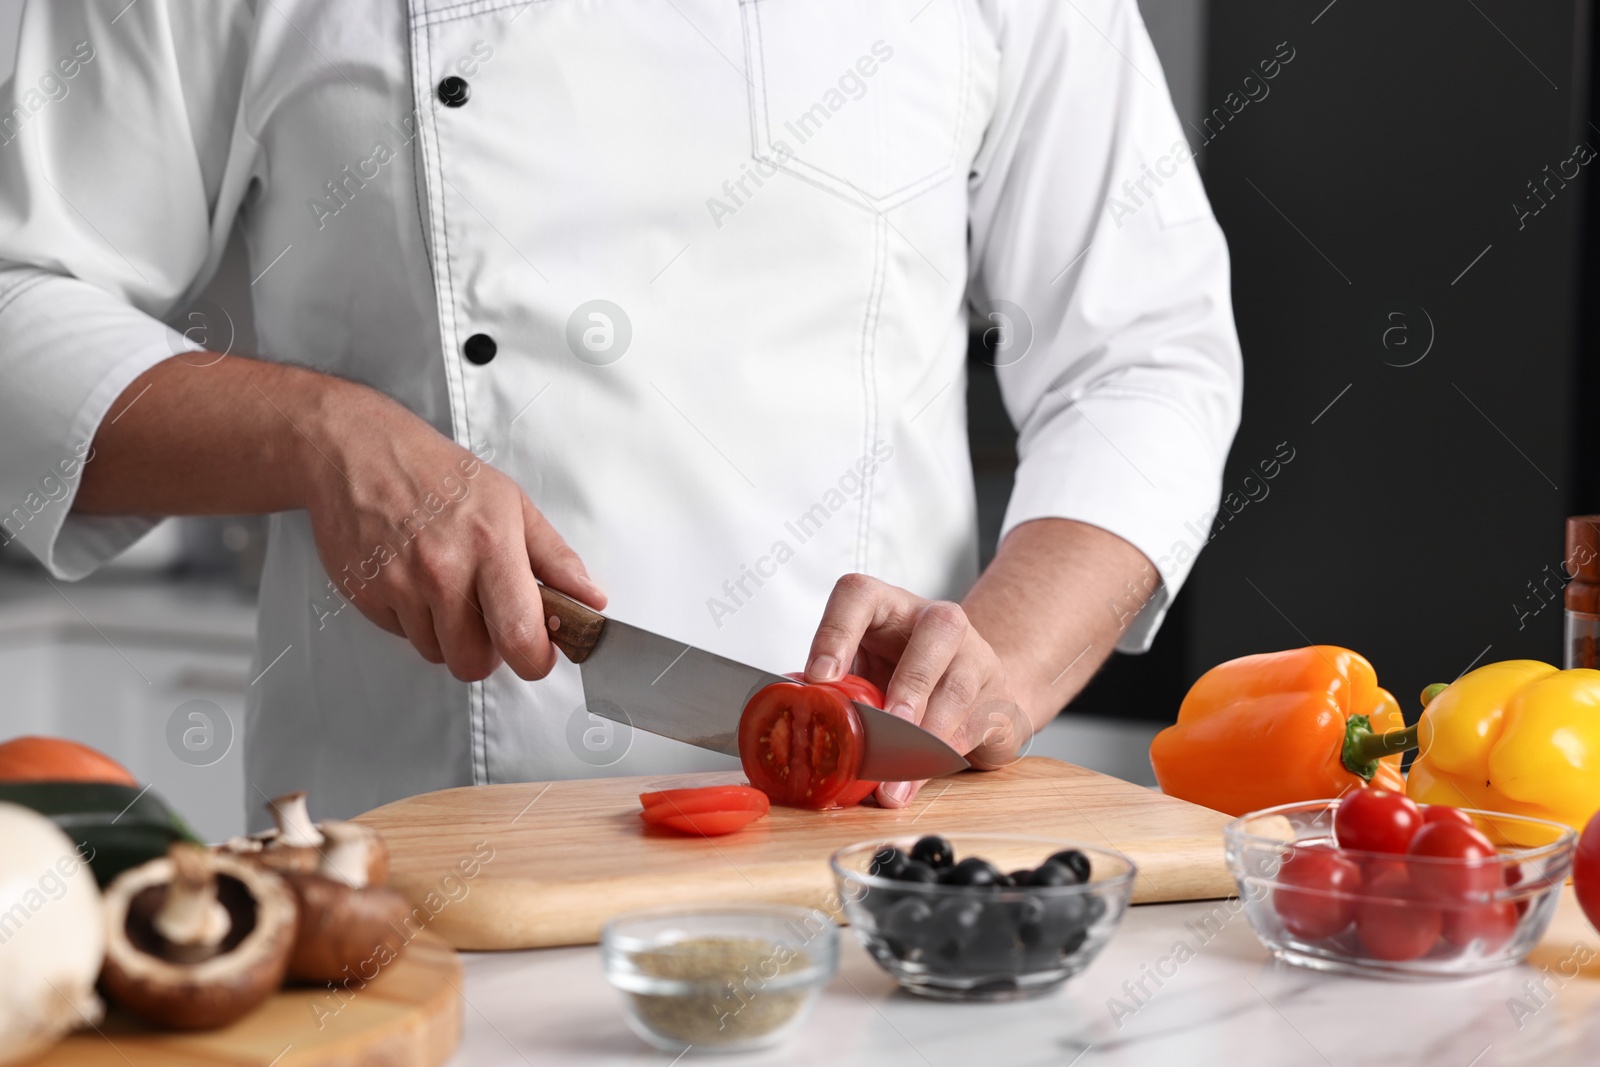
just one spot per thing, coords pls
(115, 826)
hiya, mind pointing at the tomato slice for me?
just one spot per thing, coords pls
(709, 823)
(800, 744)
(728, 797)
(656, 814)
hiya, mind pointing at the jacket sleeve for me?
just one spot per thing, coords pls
(1097, 261)
(118, 137)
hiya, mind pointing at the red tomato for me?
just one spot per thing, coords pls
(710, 823)
(729, 797)
(1586, 871)
(855, 794)
(1392, 923)
(1376, 820)
(1454, 862)
(1324, 898)
(800, 744)
(1432, 813)
(1492, 923)
(858, 689)
(851, 685)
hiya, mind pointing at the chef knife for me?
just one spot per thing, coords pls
(676, 690)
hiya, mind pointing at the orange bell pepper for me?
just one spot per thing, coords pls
(1278, 728)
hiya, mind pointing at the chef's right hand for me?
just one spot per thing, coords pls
(432, 543)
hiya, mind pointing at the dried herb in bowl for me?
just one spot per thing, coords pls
(724, 997)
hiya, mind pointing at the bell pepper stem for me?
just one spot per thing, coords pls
(1363, 748)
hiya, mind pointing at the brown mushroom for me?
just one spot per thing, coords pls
(349, 924)
(344, 932)
(300, 846)
(196, 939)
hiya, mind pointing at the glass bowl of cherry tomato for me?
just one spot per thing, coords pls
(982, 917)
(1374, 883)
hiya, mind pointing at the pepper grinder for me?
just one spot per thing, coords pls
(1582, 596)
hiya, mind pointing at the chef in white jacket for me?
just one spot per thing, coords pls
(665, 298)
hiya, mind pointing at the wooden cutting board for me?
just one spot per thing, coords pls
(408, 1016)
(537, 864)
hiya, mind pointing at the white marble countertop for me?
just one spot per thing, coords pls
(1230, 1005)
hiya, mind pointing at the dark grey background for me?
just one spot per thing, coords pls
(1422, 504)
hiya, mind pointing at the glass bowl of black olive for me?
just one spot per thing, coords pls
(982, 916)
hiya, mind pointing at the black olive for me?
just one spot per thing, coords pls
(1065, 917)
(880, 901)
(935, 851)
(1075, 861)
(994, 946)
(1074, 942)
(950, 927)
(887, 862)
(1020, 877)
(971, 871)
(1005, 881)
(1030, 914)
(1051, 873)
(906, 927)
(917, 871)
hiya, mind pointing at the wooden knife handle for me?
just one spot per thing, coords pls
(574, 629)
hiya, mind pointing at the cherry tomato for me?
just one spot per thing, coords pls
(1376, 820)
(1492, 923)
(1454, 863)
(728, 798)
(1323, 898)
(710, 823)
(800, 744)
(1586, 871)
(858, 689)
(1392, 923)
(1432, 813)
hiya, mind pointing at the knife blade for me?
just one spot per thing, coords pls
(674, 689)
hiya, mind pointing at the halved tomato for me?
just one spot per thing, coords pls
(711, 797)
(859, 689)
(709, 823)
(801, 744)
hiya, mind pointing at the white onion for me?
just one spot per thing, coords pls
(52, 936)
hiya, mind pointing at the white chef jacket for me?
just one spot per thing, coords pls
(785, 208)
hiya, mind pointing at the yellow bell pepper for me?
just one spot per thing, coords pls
(1520, 737)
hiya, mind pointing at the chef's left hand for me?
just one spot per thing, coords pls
(934, 668)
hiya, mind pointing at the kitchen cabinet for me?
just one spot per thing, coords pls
(151, 671)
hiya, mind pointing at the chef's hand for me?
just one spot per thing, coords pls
(432, 543)
(933, 667)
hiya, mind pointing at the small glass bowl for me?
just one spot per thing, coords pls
(983, 943)
(1480, 931)
(725, 978)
